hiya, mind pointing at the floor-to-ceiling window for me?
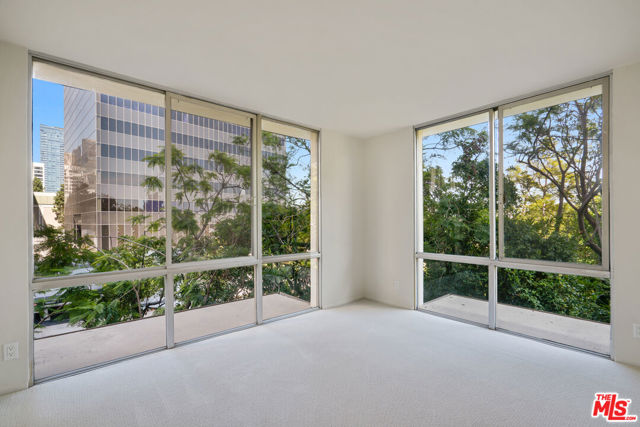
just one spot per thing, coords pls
(513, 217)
(159, 219)
(289, 213)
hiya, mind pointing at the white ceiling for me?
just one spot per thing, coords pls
(359, 67)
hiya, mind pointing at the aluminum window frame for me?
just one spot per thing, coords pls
(496, 258)
(605, 261)
(314, 252)
(170, 269)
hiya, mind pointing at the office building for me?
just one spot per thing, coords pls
(52, 157)
(38, 171)
(107, 140)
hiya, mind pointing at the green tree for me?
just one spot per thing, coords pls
(541, 221)
(286, 205)
(456, 207)
(59, 251)
(211, 219)
(286, 214)
(58, 205)
(560, 148)
(92, 306)
(37, 185)
(207, 198)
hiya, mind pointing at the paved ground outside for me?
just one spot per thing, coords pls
(62, 353)
(593, 336)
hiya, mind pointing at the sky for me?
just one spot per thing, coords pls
(446, 158)
(48, 109)
(449, 156)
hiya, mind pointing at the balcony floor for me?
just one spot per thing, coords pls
(585, 334)
(56, 354)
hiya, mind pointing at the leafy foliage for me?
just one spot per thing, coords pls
(58, 205)
(59, 251)
(552, 204)
(211, 218)
(289, 278)
(286, 205)
(37, 185)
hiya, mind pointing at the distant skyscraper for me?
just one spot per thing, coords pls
(52, 156)
(38, 171)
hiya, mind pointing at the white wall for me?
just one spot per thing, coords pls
(389, 230)
(625, 205)
(389, 212)
(14, 249)
(342, 188)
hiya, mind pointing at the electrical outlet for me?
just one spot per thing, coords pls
(396, 285)
(636, 330)
(10, 351)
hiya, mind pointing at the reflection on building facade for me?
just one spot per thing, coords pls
(106, 142)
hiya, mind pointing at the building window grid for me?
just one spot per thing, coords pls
(134, 195)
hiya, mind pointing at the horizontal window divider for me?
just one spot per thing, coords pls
(554, 343)
(509, 107)
(450, 317)
(541, 266)
(554, 267)
(215, 334)
(98, 365)
(282, 128)
(288, 315)
(290, 123)
(211, 110)
(212, 264)
(290, 257)
(573, 265)
(512, 100)
(45, 283)
(462, 259)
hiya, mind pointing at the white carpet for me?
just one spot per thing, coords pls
(361, 364)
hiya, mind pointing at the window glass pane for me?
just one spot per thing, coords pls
(82, 326)
(572, 310)
(289, 287)
(457, 290)
(208, 302)
(553, 172)
(455, 180)
(76, 134)
(211, 188)
(288, 186)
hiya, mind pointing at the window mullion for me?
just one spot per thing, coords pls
(257, 215)
(168, 279)
(493, 276)
(500, 184)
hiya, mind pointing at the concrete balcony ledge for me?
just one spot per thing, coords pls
(584, 334)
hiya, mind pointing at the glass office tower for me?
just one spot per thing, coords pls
(108, 141)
